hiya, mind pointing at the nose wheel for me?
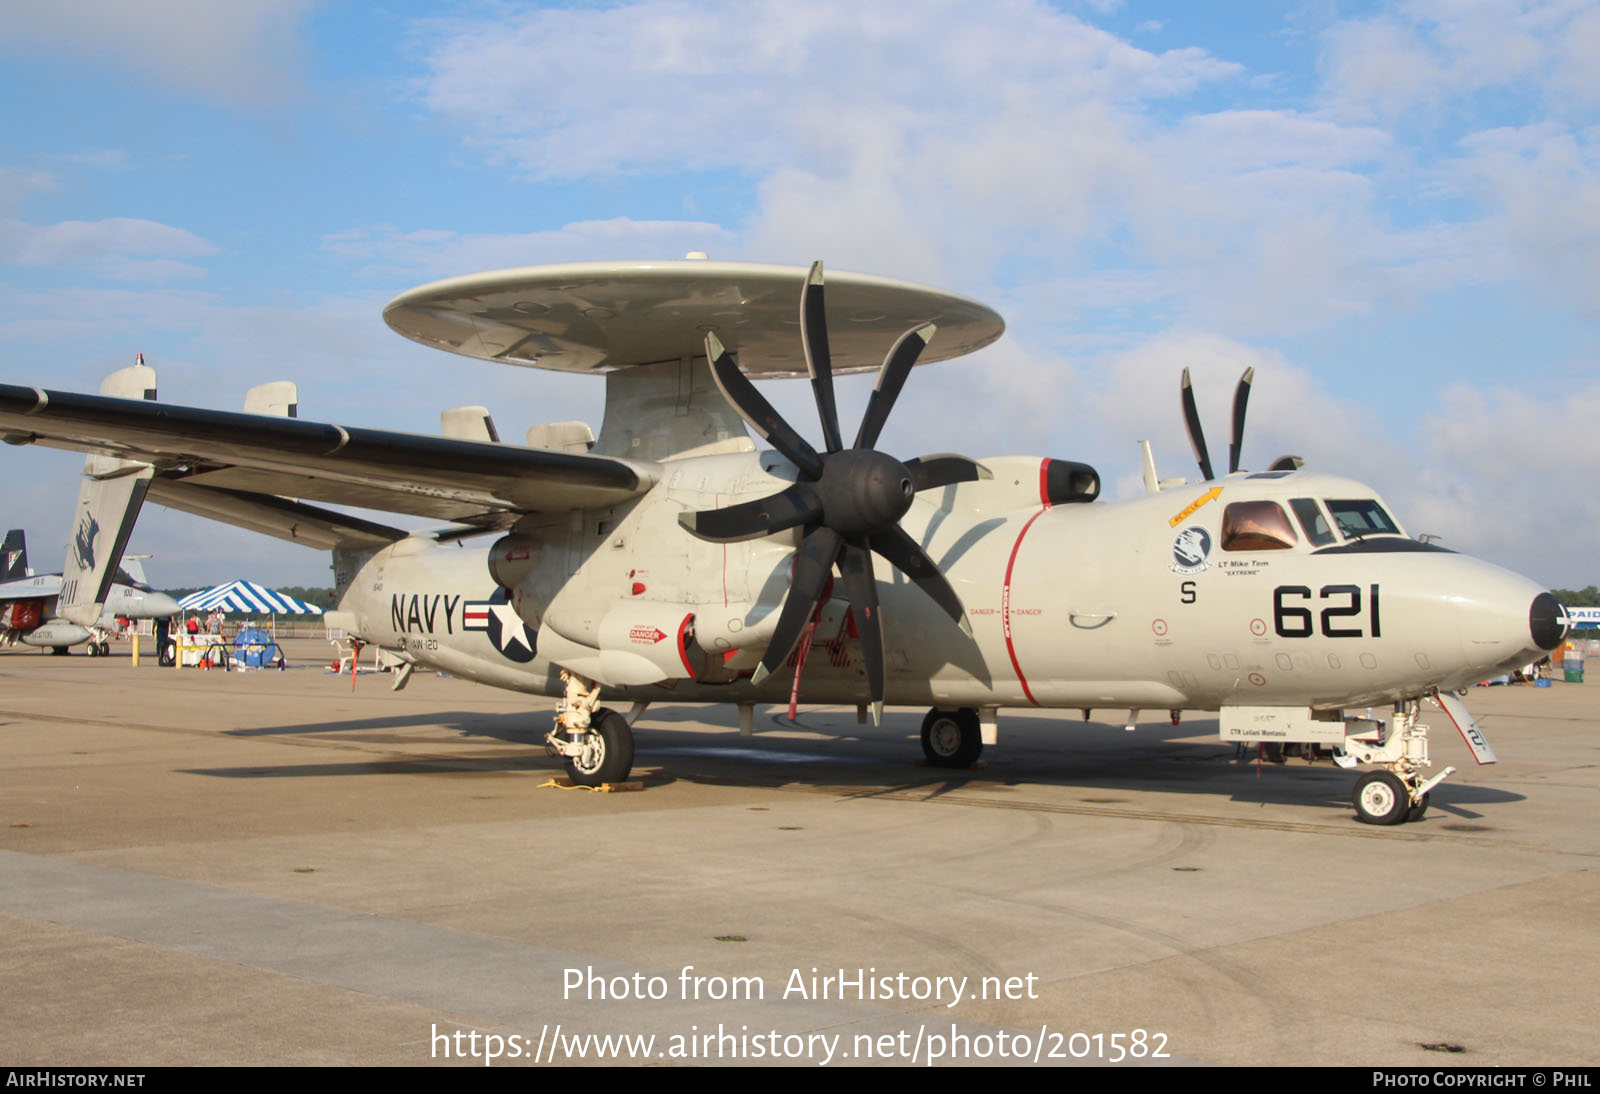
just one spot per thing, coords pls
(1381, 797)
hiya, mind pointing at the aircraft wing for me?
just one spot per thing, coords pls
(256, 455)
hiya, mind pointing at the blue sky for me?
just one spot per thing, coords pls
(1391, 210)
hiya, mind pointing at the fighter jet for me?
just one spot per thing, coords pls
(28, 605)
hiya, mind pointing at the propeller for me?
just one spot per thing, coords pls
(849, 501)
(1197, 438)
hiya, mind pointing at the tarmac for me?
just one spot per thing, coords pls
(292, 867)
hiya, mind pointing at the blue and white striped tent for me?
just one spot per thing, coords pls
(246, 596)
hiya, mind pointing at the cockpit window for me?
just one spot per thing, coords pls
(1257, 526)
(1312, 520)
(1361, 518)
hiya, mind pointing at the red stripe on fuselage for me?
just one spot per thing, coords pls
(1005, 590)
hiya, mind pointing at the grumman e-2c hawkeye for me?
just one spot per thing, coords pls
(668, 559)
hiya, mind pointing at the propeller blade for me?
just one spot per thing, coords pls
(891, 378)
(1197, 437)
(910, 559)
(754, 519)
(1241, 396)
(754, 408)
(855, 563)
(813, 563)
(819, 363)
(944, 469)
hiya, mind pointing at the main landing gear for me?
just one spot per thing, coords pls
(1398, 793)
(595, 741)
(952, 738)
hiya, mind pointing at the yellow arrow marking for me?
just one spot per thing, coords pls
(1209, 495)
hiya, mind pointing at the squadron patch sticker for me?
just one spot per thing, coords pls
(1190, 550)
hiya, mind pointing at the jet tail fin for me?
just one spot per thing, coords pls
(109, 500)
(14, 555)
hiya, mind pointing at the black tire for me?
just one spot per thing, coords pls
(1381, 798)
(94, 650)
(59, 651)
(608, 755)
(1418, 809)
(105, 649)
(951, 738)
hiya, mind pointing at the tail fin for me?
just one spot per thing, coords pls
(14, 555)
(108, 505)
(131, 572)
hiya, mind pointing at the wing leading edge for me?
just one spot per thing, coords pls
(241, 455)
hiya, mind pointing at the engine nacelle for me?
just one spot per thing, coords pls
(641, 642)
(512, 559)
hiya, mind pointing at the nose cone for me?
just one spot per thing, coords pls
(1507, 621)
(158, 606)
(1547, 622)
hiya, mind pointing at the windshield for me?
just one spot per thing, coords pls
(1362, 518)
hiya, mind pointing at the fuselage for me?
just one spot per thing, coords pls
(28, 606)
(1268, 589)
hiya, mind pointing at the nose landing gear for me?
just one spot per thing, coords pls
(1400, 792)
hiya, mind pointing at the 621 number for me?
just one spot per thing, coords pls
(1342, 618)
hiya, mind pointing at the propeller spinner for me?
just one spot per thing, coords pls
(848, 500)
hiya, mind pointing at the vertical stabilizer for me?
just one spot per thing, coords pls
(14, 555)
(108, 505)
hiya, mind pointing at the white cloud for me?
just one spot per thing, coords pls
(1542, 186)
(1508, 474)
(388, 252)
(1427, 54)
(755, 86)
(117, 247)
(954, 145)
(241, 52)
(17, 183)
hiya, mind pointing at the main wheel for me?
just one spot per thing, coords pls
(951, 738)
(607, 755)
(1381, 798)
(94, 650)
(105, 649)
